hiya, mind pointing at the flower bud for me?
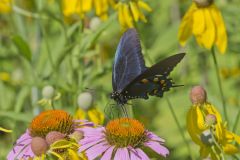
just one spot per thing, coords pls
(203, 3)
(85, 100)
(77, 135)
(48, 92)
(94, 23)
(206, 137)
(54, 136)
(39, 146)
(198, 95)
(210, 119)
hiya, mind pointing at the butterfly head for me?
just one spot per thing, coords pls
(118, 97)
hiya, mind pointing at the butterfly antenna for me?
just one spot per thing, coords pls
(180, 85)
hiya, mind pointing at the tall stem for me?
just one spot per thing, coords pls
(179, 128)
(236, 122)
(219, 84)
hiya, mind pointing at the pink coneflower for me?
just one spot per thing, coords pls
(121, 139)
(45, 129)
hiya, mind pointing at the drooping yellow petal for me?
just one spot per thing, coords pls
(80, 114)
(96, 116)
(98, 7)
(208, 36)
(185, 29)
(142, 16)
(204, 151)
(221, 35)
(200, 121)
(87, 5)
(198, 22)
(127, 16)
(144, 5)
(5, 130)
(73, 155)
(5, 6)
(191, 126)
(211, 109)
(230, 149)
(121, 15)
(135, 11)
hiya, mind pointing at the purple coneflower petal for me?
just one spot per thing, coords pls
(157, 148)
(142, 154)
(22, 148)
(90, 139)
(121, 154)
(87, 145)
(108, 154)
(97, 150)
(154, 137)
(134, 155)
(91, 132)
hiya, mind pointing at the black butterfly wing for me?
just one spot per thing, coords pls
(129, 62)
(163, 67)
(154, 80)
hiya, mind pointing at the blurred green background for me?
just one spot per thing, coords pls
(37, 48)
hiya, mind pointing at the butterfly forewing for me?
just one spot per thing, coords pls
(128, 63)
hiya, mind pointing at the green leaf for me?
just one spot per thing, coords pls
(24, 117)
(22, 46)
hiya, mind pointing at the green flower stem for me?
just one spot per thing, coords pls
(180, 128)
(217, 145)
(236, 122)
(219, 84)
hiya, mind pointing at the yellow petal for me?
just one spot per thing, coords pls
(198, 22)
(191, 126)
(208, 36)
(73, 154)
(142, 16)
(127, 16)
(80, 114)
(230, 149)
(211, 109)
(185, 29)
(121, 15)
(5, 130)
(96, 116)
(5, 6)
(221, 35)
(204, 151)
(144, 6)
(86, 5)
(199, 119)
(98, 7)
(135, 10)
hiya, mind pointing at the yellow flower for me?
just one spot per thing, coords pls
(5, 6)
(5, 130)
(79, 8)
(69, 150)
(219, 138)
(131, 11)
(93, 114)
(206, 24)
(230, 72)
(4, 76)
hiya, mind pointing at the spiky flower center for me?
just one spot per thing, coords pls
(51, 120)
(125, 132)
(203, 3)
